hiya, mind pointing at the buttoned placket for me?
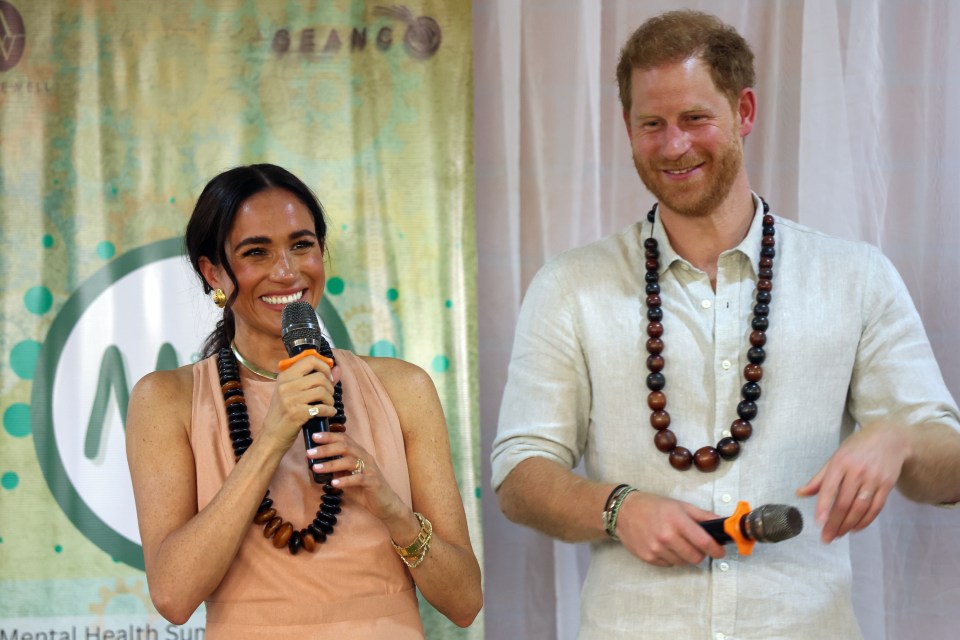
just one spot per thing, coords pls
(728, 326)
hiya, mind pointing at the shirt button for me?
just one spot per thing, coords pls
(706, 304)
(724, 566)
(726, 497)
(726, 364)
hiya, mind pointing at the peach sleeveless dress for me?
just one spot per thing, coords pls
(354, 585)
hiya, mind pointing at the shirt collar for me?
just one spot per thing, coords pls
(749, 246)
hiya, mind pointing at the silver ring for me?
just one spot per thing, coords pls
(358, 469)
(313, 411)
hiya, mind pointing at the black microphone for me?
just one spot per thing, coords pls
(300, 331)
(767, 523)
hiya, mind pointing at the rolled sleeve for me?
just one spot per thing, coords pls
(896, 375)
(546, 401)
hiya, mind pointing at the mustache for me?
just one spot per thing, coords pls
(685, 165)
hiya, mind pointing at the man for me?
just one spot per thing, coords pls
(713, 327)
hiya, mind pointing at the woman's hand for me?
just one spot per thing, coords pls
(365, 480)
(303, 391)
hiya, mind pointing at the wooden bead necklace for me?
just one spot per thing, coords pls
(707, 458)
(238, 425)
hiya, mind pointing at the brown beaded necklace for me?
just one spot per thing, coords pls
(707, 458)
(238, 425)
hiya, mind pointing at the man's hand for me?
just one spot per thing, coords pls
(665, 532)
(854, 484)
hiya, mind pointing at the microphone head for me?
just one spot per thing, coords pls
(299, 327)
(773, 523)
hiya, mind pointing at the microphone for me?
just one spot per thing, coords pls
(767, 523)
(301, 335)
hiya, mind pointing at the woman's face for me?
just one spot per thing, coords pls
(276, 257)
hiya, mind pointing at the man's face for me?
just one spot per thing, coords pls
(685, 136)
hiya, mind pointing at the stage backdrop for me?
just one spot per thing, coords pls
(113, 115)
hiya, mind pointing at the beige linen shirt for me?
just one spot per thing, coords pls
(845, 346)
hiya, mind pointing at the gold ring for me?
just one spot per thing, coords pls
(313, 411)
(358, 469)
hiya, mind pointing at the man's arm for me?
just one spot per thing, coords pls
(909, 438)
(544, 495)
(923, 461)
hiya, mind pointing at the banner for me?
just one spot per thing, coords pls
(113, 115)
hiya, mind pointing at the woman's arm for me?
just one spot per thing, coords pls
(449, 576)
(186, 553)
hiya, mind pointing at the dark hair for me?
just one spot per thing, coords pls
(212, 219)
(678, 35)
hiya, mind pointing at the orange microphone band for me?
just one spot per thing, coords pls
(288, 362)
(731, 526)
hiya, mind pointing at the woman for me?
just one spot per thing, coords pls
(206, 442)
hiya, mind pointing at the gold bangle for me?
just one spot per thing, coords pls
(419, 546)
(413, 564)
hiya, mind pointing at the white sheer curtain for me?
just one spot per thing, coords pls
(857, 135)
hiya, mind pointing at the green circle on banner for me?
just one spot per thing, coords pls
(383, 349)
(38, 300)
(335, 286)
(23, 358)
(106, 250)
(16, 420)
(441, 363)
(392, 294)
(47, 241)
(448, 304)
(10, 480)
(47, 358)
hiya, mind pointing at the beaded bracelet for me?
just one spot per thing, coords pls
(418, 548)
(612, 512)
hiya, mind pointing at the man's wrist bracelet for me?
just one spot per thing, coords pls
(612, 509)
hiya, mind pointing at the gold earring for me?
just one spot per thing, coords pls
(219, 298)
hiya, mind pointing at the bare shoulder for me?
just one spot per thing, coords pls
(162, 394)
(400, 378)
(413, 394)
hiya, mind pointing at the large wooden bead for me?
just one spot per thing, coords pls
(657, 400)
(308, 541)
(741, 430)
(680, 458)
(758, 338)
(655, 363)
(747, 409)
(317, 532)
(655, 329)
(728, 448)
(271, 527)
(295, 543)
(753, 372)
(750, 391)
(660, 420)
(665, 440)
(654, 346)
(656, 381)
(265, 516)
(282, 535)
(331, 500)
(707, 459)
